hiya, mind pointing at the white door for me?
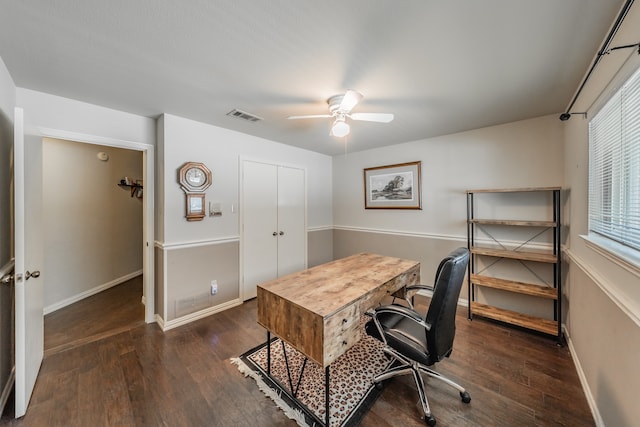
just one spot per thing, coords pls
(291, 220)
(274, 223)
(259, 222)
(29, 301)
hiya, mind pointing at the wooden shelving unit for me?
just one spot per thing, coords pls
(552, 258)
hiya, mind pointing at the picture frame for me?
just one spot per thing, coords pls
(195, 206)
(393, 186)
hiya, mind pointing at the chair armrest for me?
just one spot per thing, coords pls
(419, 288)
(401, 310)
(413, 288)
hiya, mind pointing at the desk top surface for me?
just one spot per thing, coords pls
(327, 288)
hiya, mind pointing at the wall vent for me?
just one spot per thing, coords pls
(192, 304)
(239, 114)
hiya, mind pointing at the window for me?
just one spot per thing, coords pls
(614, 167)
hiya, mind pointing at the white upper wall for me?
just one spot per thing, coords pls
(221, 150)
(82, 119)
(527, 153)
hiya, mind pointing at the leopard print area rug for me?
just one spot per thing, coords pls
(352, 391)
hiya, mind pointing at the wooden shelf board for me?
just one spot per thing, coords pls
(514, 286)
(547, 257)
(514, 190)
(507, 316)
(512, 222)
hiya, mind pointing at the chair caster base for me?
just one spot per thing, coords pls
(466, 398)
(430, 420)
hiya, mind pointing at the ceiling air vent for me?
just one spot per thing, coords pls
(239, 114)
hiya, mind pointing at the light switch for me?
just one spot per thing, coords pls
(215, 209)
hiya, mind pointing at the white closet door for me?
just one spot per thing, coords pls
(291, 220)
(260, 220)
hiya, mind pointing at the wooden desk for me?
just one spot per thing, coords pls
(317, 310)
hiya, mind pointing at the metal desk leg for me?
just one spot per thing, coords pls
(326, 396)
(268, 353)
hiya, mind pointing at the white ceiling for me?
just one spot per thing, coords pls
(440, 66)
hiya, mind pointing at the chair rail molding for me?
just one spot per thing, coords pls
(627, 305)
(403, 233)
(196, 243)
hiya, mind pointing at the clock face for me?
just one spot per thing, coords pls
(196, 177)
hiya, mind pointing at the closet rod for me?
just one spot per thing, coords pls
(605, 49)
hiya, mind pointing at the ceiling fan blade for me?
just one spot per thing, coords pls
(373, 117)
(350, 100)
(311, 116)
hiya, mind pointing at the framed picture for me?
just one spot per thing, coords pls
(195, 206)
(393, 187)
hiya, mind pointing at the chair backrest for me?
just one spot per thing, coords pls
(441, 314)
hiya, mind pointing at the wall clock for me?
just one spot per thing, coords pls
(194, 178)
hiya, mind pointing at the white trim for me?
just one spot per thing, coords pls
(199, 315)
(402, 233)
(591, 401)
(165, 287)
(196, 243)
(61, 304)
(87, 139)
(148, 155)
(219, 241)
(617, 253)
(625, 304)
(320, 228)
(160, 321)
(463, 239)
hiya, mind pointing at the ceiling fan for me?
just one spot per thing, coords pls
(340, 107)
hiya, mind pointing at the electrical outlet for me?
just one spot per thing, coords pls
(214, 287)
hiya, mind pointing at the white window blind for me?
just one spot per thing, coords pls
(614, 167)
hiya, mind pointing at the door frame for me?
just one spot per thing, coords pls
(148, 171)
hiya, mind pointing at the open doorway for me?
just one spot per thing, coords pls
(93, 240)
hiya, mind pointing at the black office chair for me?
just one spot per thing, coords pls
(417, 342)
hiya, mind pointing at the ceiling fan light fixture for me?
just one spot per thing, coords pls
(340, 128)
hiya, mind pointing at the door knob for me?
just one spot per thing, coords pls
(275, 233)
(282, 233)
(29, 274)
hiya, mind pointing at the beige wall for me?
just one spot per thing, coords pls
(602, 294)
(92, 227)
(428, 251)
(189, 267)
(320, 246)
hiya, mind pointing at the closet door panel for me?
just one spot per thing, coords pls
(291, 220)
(260, 214)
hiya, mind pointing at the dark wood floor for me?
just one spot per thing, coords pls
(105, 367)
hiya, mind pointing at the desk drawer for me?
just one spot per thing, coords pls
(341, 332)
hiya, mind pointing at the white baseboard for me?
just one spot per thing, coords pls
(165, 326)
(597, 418)
(61, 304)
(160, 321)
